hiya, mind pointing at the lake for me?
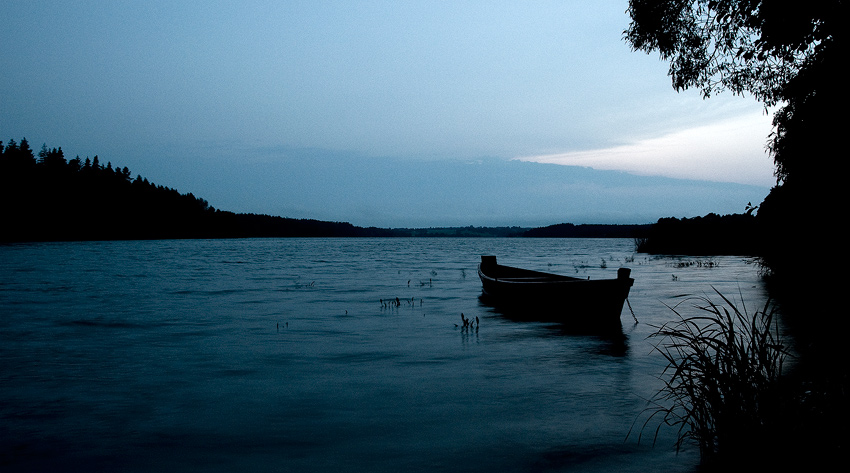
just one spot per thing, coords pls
(284, 355)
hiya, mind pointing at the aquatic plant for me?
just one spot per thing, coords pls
(721, 382)
(707, 263)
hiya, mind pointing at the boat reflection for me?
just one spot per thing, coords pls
(614, 339)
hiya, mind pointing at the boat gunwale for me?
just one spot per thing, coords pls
(534, 277)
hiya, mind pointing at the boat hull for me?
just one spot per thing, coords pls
(551, 297)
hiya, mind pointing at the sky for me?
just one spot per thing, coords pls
(371, 111)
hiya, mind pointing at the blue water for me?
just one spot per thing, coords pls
(279, 355)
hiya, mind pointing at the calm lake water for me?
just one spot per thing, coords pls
(278, 355)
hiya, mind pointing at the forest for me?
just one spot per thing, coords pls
(45, 197)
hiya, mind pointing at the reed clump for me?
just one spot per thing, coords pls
(722, 379)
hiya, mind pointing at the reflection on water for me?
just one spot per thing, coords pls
(283, 355)
(610, 340)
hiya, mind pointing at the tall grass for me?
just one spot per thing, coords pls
(721, 382)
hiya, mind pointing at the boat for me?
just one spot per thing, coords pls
(553, 297)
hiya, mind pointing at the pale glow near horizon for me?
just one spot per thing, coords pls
(730, 150)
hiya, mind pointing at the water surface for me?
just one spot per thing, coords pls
(286, 355)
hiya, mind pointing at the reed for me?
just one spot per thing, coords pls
(721, 383)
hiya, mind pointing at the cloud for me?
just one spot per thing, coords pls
(730, 150)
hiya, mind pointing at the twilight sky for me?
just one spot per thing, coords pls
(372, 111)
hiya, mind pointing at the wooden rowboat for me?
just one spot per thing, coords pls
(552, 297)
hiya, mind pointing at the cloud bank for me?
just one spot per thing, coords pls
(731, 150)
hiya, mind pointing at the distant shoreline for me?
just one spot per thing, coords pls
(49, 198)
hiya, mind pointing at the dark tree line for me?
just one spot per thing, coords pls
(44, 197)
(569, 230)
(712, 234)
